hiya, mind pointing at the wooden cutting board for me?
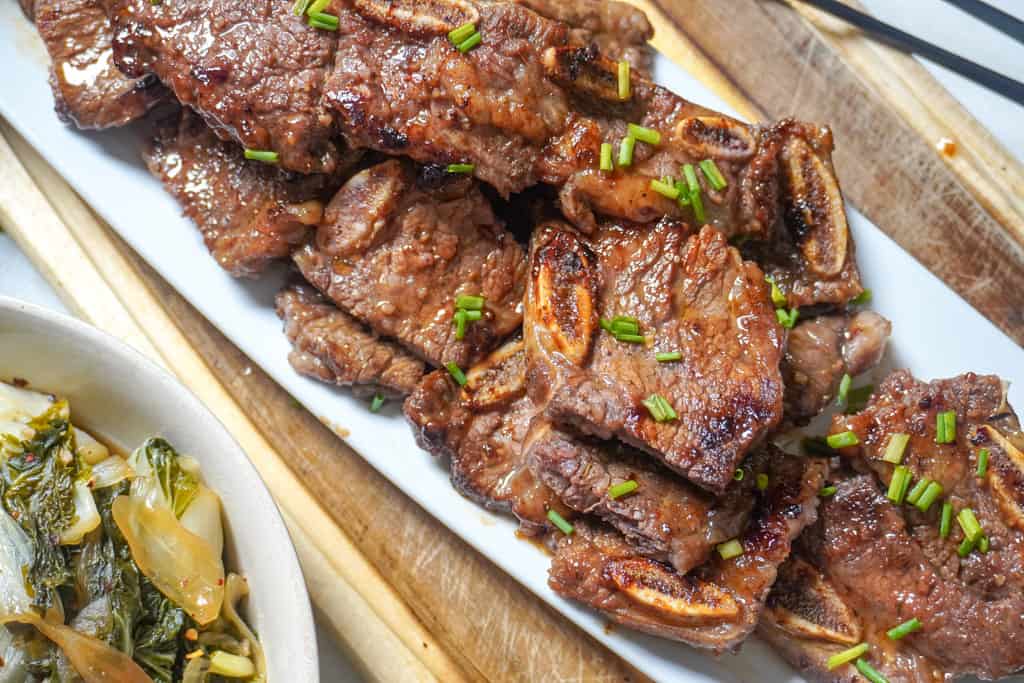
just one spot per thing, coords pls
(447, 611)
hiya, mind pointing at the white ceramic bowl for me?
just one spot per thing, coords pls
(122, 397)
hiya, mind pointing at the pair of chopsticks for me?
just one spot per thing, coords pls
(894, 37)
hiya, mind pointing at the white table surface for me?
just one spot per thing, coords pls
(932, 20)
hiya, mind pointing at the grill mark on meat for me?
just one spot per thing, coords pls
(397, 256)
(333, 347)
(717, 605)
(250, 214)
(694, 296)
(88, 89)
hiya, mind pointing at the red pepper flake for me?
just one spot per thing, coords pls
(30, 457)
(21, 384)
(220, 582)
(946, 147)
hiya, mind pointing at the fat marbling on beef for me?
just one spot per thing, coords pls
(695, 296)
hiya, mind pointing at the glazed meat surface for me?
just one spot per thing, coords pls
(819, 351)
(696, 297)
(331, 346)
(397, 248)
(249, 213)
(88, 89)
(482, 427)
(253, 69)
(717, 605)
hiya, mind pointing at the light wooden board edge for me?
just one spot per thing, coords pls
(70, 247)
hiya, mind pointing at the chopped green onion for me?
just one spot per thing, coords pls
(684, 194)
(930, 495)
(778, 298)
(844, 389)
(787, 320)
(846, 656)
(473, 316)
(469, 43)
(730, 549)
(982, 462)
(317, 6)
(665, 189)
(694, 185)
(714, 176)
(817, 446)
(827, 491)
(904, 629)
(894, 449)
(263, 155)
(862, 298)
(762, 482)
(946, 522)
(965, 547)
(622, 489)
(626, 148)
(869, 672)
(376, 404)
(918, 490)
(899, 484)
(469, 302)
(456, 372)
(325, 22)
(945, 427)
(668, 356)
(606, 157)
(648, 135)
(738, 474)
(460, 168)
(857, 398)
(983, 545)
(969, 523)
(631, 338)
(559, 521)
(299, 8)
(659, 408)
(842, 440)
(459, 319)
(624, 88)
(460, 34)
(622, 324)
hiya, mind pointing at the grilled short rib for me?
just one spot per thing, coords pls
(889, 563)
(820, 350)
(717, 605)
(481, 428)
(398, 246)
(333, 347)
(693, 296)
(248, 212)
(88, 89)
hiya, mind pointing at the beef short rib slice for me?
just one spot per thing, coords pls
(331, 346)
(717, 605)
(664, 518)
(696, 297)
(253, 69)
(88, 88)
(249, 213)
(397, 248)
(481, 428)
(820, 350)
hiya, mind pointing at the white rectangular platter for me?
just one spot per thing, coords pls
(936, 334)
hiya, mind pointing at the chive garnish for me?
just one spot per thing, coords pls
(659, 408)
(456, 372)
(715, 178)
(694, 186)
(969, 523)
(648, 135)
(983, 545)
(469, 43)
(631, 338)
(899, 484)
(606, 157)
(626, 148)
(894, 449)
(904, 629)
(469, 302)
(665, 189)
(624, 89)
(858, 397)
(982, 462)
(473, 316)
(459, 320)
(668, 356)
(265, 156)
(762, 482)
(559, 521)
(460, 168)
(778, 298)
(299, 8)
(827, 491)
(869, 672)
(460, 34)
(738, 474)
(622, 488)
(930, 495)
(965, 547)
(730, 549)
(624, 329)
(847, 656)
(317, 6)
(842, 440)
(844, 389)
(918, 490)
(862, 298)
(787, 320)
(946, 521)
(376, 404)
(945, 427)
(325, 22)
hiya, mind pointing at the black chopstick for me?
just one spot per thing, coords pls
(993, 16)
(892, 36)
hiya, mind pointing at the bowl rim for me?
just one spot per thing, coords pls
(286, 558)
